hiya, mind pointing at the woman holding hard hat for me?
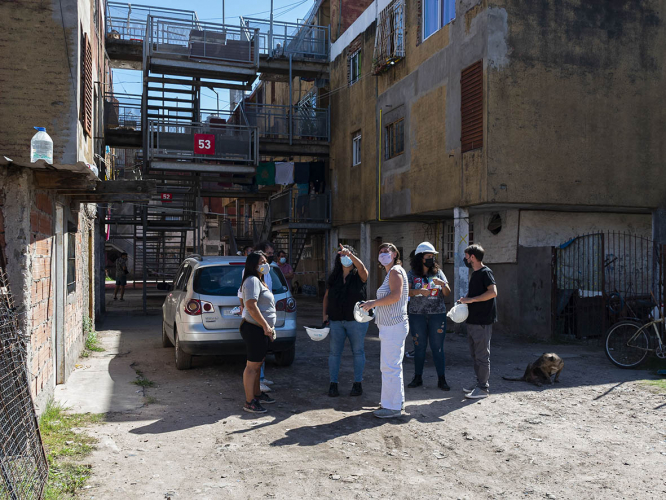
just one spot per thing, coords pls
(391, 318)
(345, 287)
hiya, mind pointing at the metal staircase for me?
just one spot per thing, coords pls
(184, 147)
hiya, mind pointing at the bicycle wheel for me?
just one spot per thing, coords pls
(618, 349)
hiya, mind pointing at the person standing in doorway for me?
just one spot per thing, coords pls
(121, 276)
(391, 318)
(257, 328)
(285, 267)
(427, 312)
(345, 287)
(481, 301)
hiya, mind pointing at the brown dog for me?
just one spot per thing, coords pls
(541, 371)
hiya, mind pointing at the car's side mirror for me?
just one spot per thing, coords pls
(167, 287)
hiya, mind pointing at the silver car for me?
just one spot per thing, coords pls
(200, 315)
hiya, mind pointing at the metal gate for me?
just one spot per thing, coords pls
(23, 465)
(601, 278)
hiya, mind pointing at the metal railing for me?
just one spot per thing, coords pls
(122, 111)
(127, 22)
(202, 142)
(201, 41)
(285, 122)
(288, 206)
(300, 41)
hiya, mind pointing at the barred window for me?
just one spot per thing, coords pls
(71, 262)
(389, 37)
(356, 149)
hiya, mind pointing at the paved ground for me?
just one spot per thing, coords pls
(601, 433)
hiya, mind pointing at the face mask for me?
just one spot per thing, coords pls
(264, 269)
(269, 259)
(467, 264)
(429, 263)
(346, 261)
(385, 258)
(282, 260)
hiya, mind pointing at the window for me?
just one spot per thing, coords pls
(71, 262)
(356, 149)
(395, 139)
(354, 72)
(183, 276)
(471, 107)
(86, 81)
(225, 281)
(449, 250)
(96, 15)
(436, 14)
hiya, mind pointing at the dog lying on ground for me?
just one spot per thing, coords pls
(541, 371)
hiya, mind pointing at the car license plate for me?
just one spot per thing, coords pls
(231, 312)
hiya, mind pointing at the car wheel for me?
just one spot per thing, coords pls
(183, 360)
(165, 338)
(285, 358)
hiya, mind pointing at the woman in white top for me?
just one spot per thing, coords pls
(392, 320)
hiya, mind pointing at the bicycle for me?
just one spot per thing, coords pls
(628, 343)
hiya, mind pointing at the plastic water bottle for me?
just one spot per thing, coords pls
(41, 146)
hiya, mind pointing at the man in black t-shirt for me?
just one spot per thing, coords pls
(482, 314)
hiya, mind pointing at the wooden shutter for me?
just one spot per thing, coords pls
(86, 85)
(471, 107)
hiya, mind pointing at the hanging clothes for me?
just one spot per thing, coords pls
(284, 173)
(303, 189)
(302, 172)
(318, 175)
(266, 173)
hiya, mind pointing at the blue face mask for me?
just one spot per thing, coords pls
(346, 261)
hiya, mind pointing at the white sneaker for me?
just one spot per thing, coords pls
(477, 393)
(268, 382)
(264, 388)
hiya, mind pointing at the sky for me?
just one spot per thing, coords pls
(128, 81)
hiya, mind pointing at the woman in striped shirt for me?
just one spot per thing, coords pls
(392, 320)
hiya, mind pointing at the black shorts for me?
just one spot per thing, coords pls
(255, 341)
(121, 280)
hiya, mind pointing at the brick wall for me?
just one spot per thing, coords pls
(42, 295)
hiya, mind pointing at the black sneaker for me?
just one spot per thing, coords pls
(416, 382)
(254, 407)
(441, 383)
(357, 389)
(264, 398)
(333, 390)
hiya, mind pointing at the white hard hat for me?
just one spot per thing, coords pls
(458, 313)
(317, 333)
(425, 247)
(361, 315)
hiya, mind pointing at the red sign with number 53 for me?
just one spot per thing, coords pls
(204, 144)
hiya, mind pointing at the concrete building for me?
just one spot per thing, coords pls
(54, 69)
(517, 125)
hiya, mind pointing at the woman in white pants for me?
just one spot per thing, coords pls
(392, 320)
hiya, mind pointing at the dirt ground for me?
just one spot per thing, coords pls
(600, 433)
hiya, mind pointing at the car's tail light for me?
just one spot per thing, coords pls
(195, 307)
(288, 305)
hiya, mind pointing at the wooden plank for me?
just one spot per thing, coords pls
(59, 180)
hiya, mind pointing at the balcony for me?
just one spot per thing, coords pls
(212, 146)
(295, 130)
(122, 120)
(291, 211)
(126, 30)
(199, 49)
(305, 45)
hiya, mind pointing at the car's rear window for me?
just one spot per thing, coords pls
(225, 280)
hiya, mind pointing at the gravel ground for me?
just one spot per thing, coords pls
(600, 433)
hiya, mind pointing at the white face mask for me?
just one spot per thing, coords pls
(346, 261)
(282, 260)
(385, 258)
(264, 269)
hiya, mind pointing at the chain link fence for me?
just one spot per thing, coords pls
(23, 465)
